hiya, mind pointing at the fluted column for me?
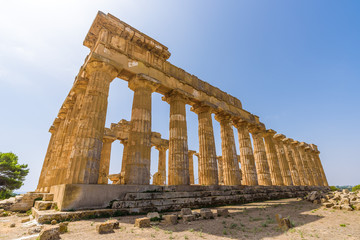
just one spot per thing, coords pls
(137, 168)
(160, 175)
(105, 160)
(284, 165)
(313, 167)
(220, 170)
(178, 144)
(273, 161)
(316, 153)
(306, 165)
(247, 159)
(231, 172)
(299, 163)
(86, 151)
(124, 142)
(44, 170)
(262, 166)
(191, 166)
(207, 153)
(291, 161)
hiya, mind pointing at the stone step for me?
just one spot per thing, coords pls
(44, 205)
(48, 197)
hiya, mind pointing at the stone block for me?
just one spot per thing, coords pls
(185, 211)
(24, 220)
(346, 207)
(345, 191)
(222, 212)
(114, 222)
(170, 219)
(142, 222)
(34, 230)
(328, 204)
(188, 218)
(43, 205)
(283, 223)
(105, 227)
(48, 197)
(206, 213)
(50, 233)
(357, 206)
(63, 227)
(53, 222)
(153, 215)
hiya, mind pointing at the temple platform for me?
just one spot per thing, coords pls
(146, 198)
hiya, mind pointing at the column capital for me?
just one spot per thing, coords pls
(161, 147)
(143, 80)
(269, 133)
(240, 123)
(287, 140)
(223, 116)
(202, 107)
(124, 141)
(191, 152)
(176, 94)
(96, 66)
(108, 139)
(279, 137)
(303, 145)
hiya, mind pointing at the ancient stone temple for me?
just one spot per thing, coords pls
(76, 165)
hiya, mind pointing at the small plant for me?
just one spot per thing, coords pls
(28, 212)
(342, 225)
(156, 228)
(355, 188)
(168, 232)
(224, 232)
(186, 237)
(264, 224)
(333, 188)
(233, 226)
(152, 235)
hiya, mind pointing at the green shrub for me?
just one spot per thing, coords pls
(356, 188)
(333, 188)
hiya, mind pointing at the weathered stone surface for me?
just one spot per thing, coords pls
(50, 233)
(63, 227)
(170, 219)
(206, 213)
(53, 222)
(345, 191)
(43, 205)
(283, 223)
(25, 220)
(34, 230)
(105, 227)
(142, 222)
(188, 218)
(185, 211)
(153, 215)
(222, 212)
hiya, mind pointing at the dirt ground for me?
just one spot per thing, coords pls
(248, 221)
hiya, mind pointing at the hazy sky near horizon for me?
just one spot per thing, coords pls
(296, 64)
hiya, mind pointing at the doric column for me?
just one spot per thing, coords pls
(291, 161)
(284, 165)
(313, 167)
(273, 161)
(207, 153)
(231, 172)
(191, 166)
(86, 151)
(262, 166)
(306, 165)
(137, 168)
(299, 163)
(178, 144)
(105, 160)
(247, 159)
(44, 170)
(316, 154)
(220, 170)
(162, 164)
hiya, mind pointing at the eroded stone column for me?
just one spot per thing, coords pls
(162, 164)
(105, 160)
(207, 153)
(137, 168)
(220, 170)
(273, 161)
(86, 152)
(299, 163)
(284, 165)
(191, 166)
(178, 145)
(231, 171)
(124, 142)
(313, 167)
(316, 154)
(291, 161)
(262, 166)
(247, 159)
(306, 165)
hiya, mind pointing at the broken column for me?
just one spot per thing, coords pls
(191, 166)
(105, 160)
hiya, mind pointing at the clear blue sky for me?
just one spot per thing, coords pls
(296, 64)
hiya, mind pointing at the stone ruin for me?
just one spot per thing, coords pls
(76, 166)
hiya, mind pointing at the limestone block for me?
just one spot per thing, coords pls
(105, 227)
(142, 222)
(50, 233)
(222, 212)
(48, 197)
(328, 204)
(346, 207)
(357, 207)
(25, 220)
(170, 219)
(283, 223)
(345, 191)
(63, 227)
(43, 205)
(153, 215)
(114, 222)
(53, 222)
(188, 218)
(185, 211)
(34, 230)
(206, 213)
